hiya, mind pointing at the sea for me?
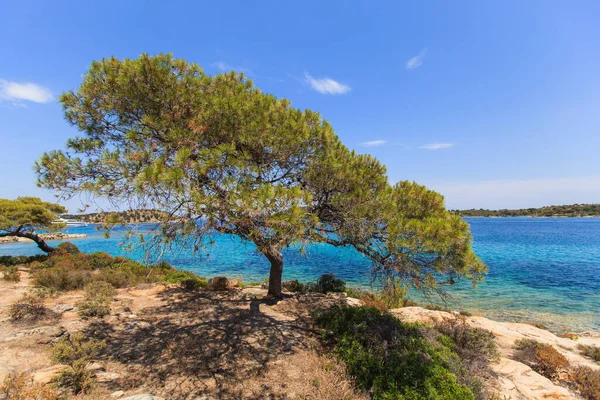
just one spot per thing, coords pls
(541, 270)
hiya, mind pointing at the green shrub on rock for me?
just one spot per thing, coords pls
(390, 358)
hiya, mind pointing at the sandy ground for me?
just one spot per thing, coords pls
(185, 345)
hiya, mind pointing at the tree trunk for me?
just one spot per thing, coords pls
(33, 236)
(276, 272)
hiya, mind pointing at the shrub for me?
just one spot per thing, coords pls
(69, 248)
(11, 274)
(393, 295)
(77, 378)
(76, 348)
(390, 358)
(592, 352)
(20, 386)
(435, 307)
(568, 335)
(476, 348)
(292, 286)
(587, 381)
(218, 283)
(98, 296)
(194, 283)
(543, 358)
(29, 306)
(62, 278)
(327, 283)
(10, 261)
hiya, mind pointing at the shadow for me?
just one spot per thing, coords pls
(202, 342)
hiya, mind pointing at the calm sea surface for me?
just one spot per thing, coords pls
(544, 270)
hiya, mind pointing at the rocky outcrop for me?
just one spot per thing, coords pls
(516, 380)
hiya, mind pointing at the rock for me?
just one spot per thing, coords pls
(117, 394)
(233, 283)
(352, 302)
(218, 283)
(107, 376)
(46, 375)
(132, 316)
(95, 366)
(146, 396)
(61, 308)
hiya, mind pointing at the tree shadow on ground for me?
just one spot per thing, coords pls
(202, 342)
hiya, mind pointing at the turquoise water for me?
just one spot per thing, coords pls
(543, 270)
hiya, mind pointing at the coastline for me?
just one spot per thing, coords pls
(45, 236)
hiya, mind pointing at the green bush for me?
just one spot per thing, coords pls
(77, 378)
(476, 348)
(62, 278)
(76, 352)
(69, 248)
(592, 352)
(394, 295)
(327, 283)
(11, 274)
(10, 261)
(194, 283)
(98, 296)
(390, 358)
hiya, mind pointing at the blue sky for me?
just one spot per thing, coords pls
(494, 104)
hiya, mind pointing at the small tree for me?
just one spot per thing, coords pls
(25, 215)
(219, 156)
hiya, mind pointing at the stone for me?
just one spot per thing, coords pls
(107, 376)
(95, 366)
(352, 302)
(61, 308)
(145, 396)
(117, 394)
(46, 375)
(132, 316)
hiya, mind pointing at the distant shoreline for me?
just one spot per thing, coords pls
(45, 236)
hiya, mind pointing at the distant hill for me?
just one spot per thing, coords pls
(130, 216)
(573, 210)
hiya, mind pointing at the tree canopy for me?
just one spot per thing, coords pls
(23, 216)
(218, 155)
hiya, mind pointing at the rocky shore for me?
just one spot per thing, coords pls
(45, 236)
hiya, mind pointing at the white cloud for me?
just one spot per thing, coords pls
(436, 146)
(326, 85)
(224, 67)
(374, 143)
(518, 193)
(417, 60)
(16, 92)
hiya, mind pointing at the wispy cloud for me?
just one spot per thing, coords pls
(374, 143)
(436, 146)
(223, 66)
(417, 60)
(518, 193)
(326, 85)
(16, 92)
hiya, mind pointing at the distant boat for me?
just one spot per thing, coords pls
(70, 223)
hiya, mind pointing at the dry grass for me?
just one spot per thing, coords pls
(20, 386)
